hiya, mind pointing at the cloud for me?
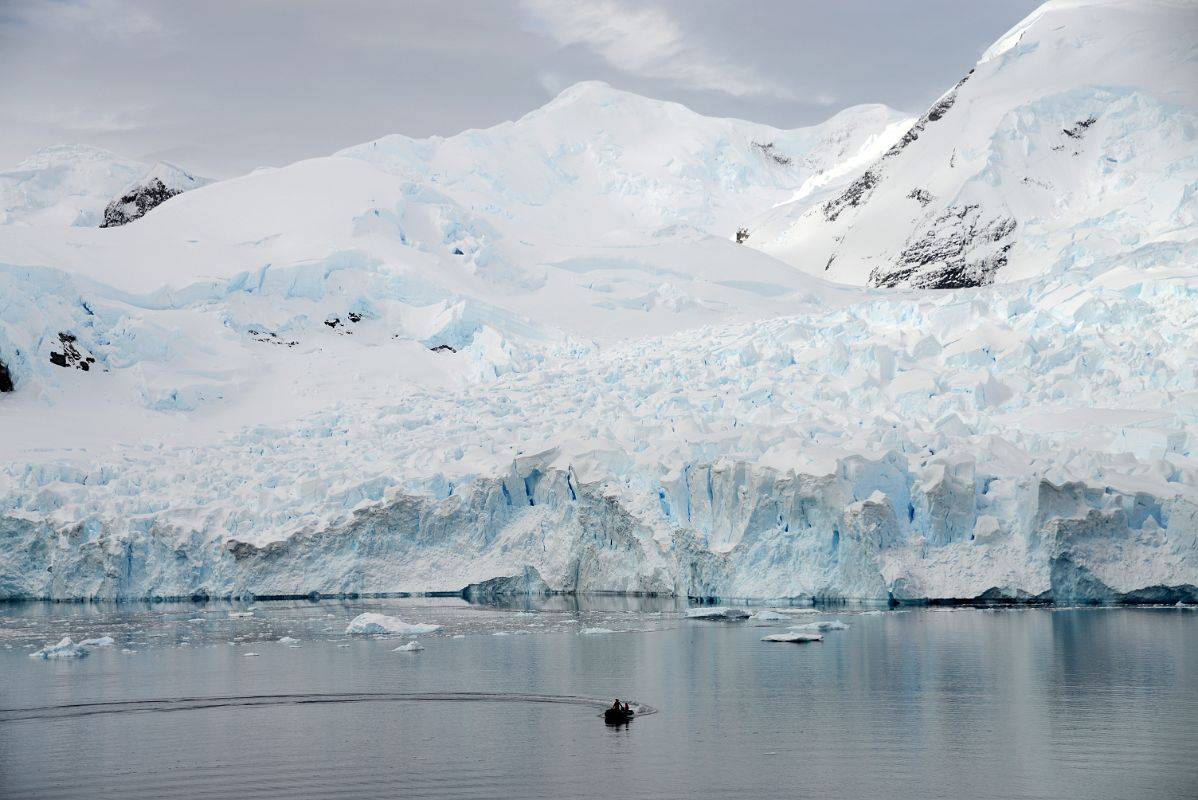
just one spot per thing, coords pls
(101, 19)
(646, 41)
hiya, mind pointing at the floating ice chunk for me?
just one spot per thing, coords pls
(250, 655)
(716, 612)
(410, 647)
(288, 640)
(197, 619)
(767, 614)
(64, 649)
(501, 633)
(240, 614)
(595, 631)
(103, 641)
(459, 636)
(127, 650)
(822, 625)
(381, 623)
(797, 638)
(797, 610)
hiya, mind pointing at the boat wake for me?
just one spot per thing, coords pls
(72, 710)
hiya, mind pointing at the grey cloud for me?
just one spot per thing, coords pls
(222, 86)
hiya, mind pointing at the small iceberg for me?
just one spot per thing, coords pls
(240, 614)
(103, 641)
(381, 623)
(595, 631)
(64, 649)
(822, 625)
(410, 647)
(250, 655)
(797, 638)
(716, 612)
(288, 640)
(769, 615)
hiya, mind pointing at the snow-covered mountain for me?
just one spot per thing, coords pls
(75, 185)
(1072, 138)
(536, 354)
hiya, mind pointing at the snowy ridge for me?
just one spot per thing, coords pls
(70, 185)
(1072, 138)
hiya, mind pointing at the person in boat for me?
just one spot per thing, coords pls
(626, 709)
(617, 707)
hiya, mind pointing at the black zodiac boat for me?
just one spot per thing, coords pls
(614, 716)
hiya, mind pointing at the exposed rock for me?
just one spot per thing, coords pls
(1079, 129)
(855, 195)
(443, 348)
(71, 355)
(957, 251)
(6, 384)
(136, 202)
(767, 150)
(938, 110)
(922, 195)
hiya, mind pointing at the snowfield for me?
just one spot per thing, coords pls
(534, 358)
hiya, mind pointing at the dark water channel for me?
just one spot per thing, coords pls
(965, 703)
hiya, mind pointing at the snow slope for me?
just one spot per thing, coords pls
(534, 358)
(1073, 137)
(72, 184)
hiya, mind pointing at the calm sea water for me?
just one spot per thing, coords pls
(1035, 703)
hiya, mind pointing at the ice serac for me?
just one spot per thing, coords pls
(1072, 137)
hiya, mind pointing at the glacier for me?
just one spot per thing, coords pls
(535, 358)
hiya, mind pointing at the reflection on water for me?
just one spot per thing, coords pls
(1018, 703)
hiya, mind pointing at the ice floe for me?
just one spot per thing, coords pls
(380, 623)
(797, 638)
(65, 648)
(822, 625)
(716, 612)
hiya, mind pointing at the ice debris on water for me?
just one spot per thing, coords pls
(240, 614)
(716, 612)
(822, 625)
(250, 655)
(66, 648)
(768, 615)
(410, 647)
(103, 641)
(288, 640)
(381, 623)
(595, 631)
(797, 638)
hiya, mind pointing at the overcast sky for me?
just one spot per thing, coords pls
(222, 86)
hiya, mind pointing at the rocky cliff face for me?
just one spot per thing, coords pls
(134, 203)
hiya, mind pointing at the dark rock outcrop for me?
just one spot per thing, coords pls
(959, 250)
(71, 355)
(136, 202)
